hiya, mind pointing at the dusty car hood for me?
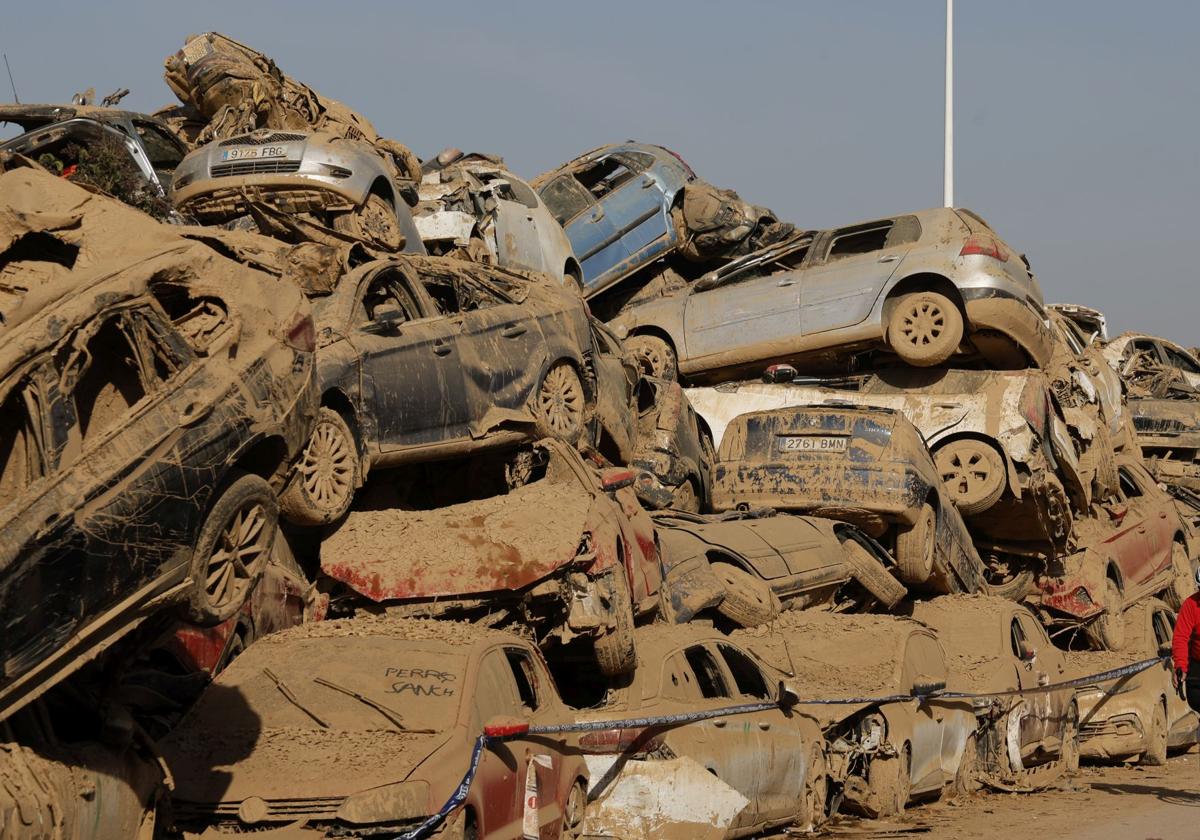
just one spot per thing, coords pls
(506, 542)
(213, 766)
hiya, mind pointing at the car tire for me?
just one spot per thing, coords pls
(1014, 588)
(873, 575)
(814, 805)
(574, 810)
(749, 601)
(924, 329)
(559, 404)
(654, 356)
(373, 221)
(684, 498)
(615, 650)
(1107, 630)
(1156, 737)
(915, 548)
(1068, 749)
(890, 780)
(231, 550)
(1183, 581)
(973, 474)
(967, 780)
(326, 476)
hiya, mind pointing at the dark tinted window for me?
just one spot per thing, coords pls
(387, 295)
(1018, 639)
(746, 675)
(1179, 360)
(21, 461)
(861, 239)
(603, 176)
(162, 149)
(707, 673)
(1163, 625)
(523, 673)
(1129, 487)
(565, 199)
(108, 379)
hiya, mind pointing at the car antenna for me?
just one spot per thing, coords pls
(16, 98)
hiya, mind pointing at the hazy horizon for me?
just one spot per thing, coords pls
(1076, 122)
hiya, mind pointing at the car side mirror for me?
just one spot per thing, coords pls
(1165, 649)
(788, 698)
(707, 281)
(504, 726)
(925, 686)
(1028, 652)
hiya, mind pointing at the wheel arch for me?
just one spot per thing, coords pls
(337, 400)
(923, 282)
(1010, 468)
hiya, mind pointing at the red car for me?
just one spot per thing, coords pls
(1137, 547)
(571, 552)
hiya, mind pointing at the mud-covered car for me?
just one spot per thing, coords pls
(425, 358)
(998, 439)
(751, 565)
(343, 183)
(919, 285)
(152, 403)
(1135, 546)
(869, 466)
(1141, 716)
(472, 206)
(728, 776)
(1089, 390)
(881, 755)
(400, 700)
(1130, 350)
(674, 450)
(571, 553)
(1091, 322)
(994, 645)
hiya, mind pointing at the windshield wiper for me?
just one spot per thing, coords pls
(393, 717)
(287, 692)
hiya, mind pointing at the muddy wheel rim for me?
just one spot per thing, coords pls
(378, 224)
(969, 470)
(561, 401)
(327, 469)
(241, 546)
(651, 360)
(573, 821)
(923, 322)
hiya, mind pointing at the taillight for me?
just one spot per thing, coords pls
(627, 741)
(984, 246)
(302, 334)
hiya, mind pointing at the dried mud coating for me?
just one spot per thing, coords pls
(966, 630)
(492, 544)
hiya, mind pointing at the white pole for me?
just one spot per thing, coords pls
(948, 177)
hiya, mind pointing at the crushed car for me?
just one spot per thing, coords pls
(923, 286)
(993, 648)
(868, 466)
(400, 700)
(1137, 356)
(728, 776)
(626, 206)
(1135, 546)
(1141, 716)
(751, 565)
(881, 754)
(154, 400)
(586, 574)
(472, 207)
(423, 358)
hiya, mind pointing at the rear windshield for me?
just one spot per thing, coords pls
(351, 684)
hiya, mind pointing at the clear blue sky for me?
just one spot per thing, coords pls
(1078, 121)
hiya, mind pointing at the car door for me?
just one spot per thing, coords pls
(783, 751)
(637, 205)
(925, 661)
(744, 311)
(518, 240)
(595, 240)
(855, 263)
(1030, 708)
(1142, 545)
(412, 380)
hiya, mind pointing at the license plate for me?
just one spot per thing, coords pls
(248, 152)
(812, 443)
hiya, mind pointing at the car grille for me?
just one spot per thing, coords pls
(251, 140)
(254, 167)
(277, 809)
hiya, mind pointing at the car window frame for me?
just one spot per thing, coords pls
(720, 674)
(591, 202)
(723, 659)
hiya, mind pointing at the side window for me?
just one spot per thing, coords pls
(1034, 633)
(565, 199)
(164, 152)
(454, 294)
(1179, 360)
(495, 693)
(604, 176)
(1163, 624)
(678, 682)
(706, 672)
(1129, 487)
(746, 675)
(525, 676)
(201, 321)
(1018, 639)
(638, 160)
(522, 193)
(21, 459)
(861, 239)
(103, 375)
(387, 297)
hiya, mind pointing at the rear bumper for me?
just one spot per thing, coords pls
(994, 310)
(892, 491)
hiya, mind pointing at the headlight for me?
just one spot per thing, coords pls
(390, 803)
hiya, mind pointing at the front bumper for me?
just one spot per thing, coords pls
(1118, 736)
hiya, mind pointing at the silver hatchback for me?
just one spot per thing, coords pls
(344, 183)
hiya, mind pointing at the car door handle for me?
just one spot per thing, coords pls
(647, 183)
(1141, 529)
(889, 258)
(597, 215)
(513, 330)
(763, 725)
(783, 283)
(441, 348)
(720, 724)
(194, 412)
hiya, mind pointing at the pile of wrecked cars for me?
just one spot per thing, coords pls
(346, 494)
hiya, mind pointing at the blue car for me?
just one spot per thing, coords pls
(615, 205)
